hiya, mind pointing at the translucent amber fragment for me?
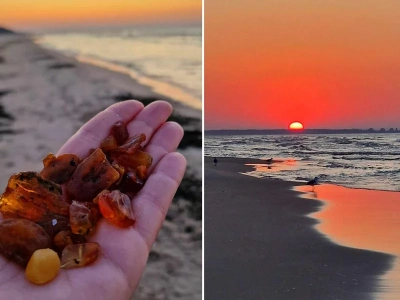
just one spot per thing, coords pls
(31, 197)
(93, 175)
(130, 147)
(116, 207)
(108, 144)
(139, 158)
(80, 255)
(83, 217)
(43, 266)
(120, 132)
(65, 238)
(20, 238)
(59, 169)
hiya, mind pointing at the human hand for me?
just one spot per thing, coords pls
(124, 251)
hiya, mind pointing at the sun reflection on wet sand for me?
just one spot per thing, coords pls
(364, 219)
(276, 165)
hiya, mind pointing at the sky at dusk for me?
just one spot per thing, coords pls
(327, 64)
(43, 14)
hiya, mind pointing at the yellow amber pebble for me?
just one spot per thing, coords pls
(43, 266)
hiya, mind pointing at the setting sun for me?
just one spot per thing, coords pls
(296, 126)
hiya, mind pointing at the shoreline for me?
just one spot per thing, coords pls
(259, 231)
(157, 87)
(263, 163)
(46, 97)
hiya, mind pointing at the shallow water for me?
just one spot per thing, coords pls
(362, 219)
(159, 56)
(369, 161)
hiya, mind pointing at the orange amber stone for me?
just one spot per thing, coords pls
(120, 132)
(141, 171)
(93, 175)
(83, 217)
(130, 147)
(108, 144)
(79, 255)
(31, 197)
(59, 169)
(19, 238)
(116, 207)
(121, 170)
(139, 158)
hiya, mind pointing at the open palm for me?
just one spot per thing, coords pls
(124, 251)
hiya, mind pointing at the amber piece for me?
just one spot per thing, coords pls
(120, 132)
(65, 238)
(109, 143)
(43, 266)
(93, 175)
(20, 238)
(141, 171)
(121, 170)
(59, 169)
(139, 158)
(31, 197)
(116, 207)
(131, 183)
(80, 255)
(83, 217)
(130, 147)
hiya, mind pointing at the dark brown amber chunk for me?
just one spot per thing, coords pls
(31, 197)
(131, 183)
(19, 238)
(139, 158)
(79, 255)
(116, 207)
(59, 169)
(120, 132)
(55, 225)
(83, 217)
(65, 238)
(93, 175)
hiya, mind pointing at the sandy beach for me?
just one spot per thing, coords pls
(45, 97)
(262, 243)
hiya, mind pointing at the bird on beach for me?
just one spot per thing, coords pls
(269, 160)
(313, 182)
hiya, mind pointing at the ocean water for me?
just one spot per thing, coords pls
(369, 161)
(154, 55)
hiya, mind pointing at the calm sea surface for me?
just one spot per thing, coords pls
(167, 54)
(370, 161)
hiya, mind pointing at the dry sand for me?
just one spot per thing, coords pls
(45, 97)
(260, 243)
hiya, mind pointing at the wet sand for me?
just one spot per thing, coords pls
(45, 97)
(260, 243)
(362, 219)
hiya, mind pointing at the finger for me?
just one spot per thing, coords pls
(152, 202)
(150, 119)
(97, 129)
(164, 141)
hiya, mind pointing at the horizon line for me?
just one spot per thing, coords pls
(299, 130)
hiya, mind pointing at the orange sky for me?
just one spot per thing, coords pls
(327, 64)
(28, 14)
